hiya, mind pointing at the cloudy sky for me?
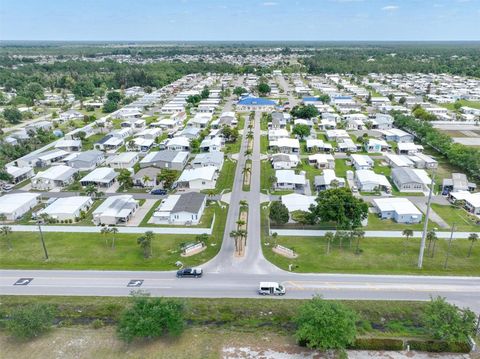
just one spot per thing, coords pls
(239, 20)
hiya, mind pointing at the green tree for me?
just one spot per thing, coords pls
(205, 93)
(125, 179)
(114, 96)
(105, 231)
(91, 190)
(340, 206)
(29, 321)
(167, 177)
(113, 230)
(33, 92)
(278, 213)
(301, 131)
(263, 89)
(473, 237)
(407, 233)
(12, 115)
(457, 105)
(145, 242)
(325, 325)
(150, 318)
(301, 111)
(110, 106)
(445, 321)
(239, 91)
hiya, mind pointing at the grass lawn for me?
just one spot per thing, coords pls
(263, 144)
(226, 177)
(310, 171)
(233, 147)
(378, 168)
(266, 172)
(463, 221)
(378, 256)
(376, 223)
(341, 168)
(451, 107)
(89, 250)
(88, 143)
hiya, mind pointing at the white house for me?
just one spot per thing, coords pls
(325, 181)
(285, 145)
(401, 210)
(198, 178)
(66, 208)
(374, 145)
(298, 202)
(410, 179)
(322, 160)
(103, 177)
(15, 205)
(205, 159)
(20, 174)
(361, 162)
(115, 210)
(471, 200)
(318, 145)
(369, 181)
(277, 133)
(186, 208)
(53, 177)
(408, 148)
(284, 161)
(179, 143)
(396, 135)
(69, 145)
(289, 180)
(123, 160)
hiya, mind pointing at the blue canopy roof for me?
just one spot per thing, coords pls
(256, 101)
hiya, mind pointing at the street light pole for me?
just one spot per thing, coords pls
(425, 225)
(42, 240)
(449, 245)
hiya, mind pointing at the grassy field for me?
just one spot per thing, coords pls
(376, 223)
(378, 256)
(93, 251)
(451, 106)
(87, 144)
(226, 177)
(263, 144)
(266, 171)
(341, 168)
(463, 222)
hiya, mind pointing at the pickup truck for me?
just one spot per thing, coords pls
(190, 272)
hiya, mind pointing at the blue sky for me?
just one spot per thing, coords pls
(239, 20)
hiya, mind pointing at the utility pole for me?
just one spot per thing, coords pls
(425, 225)
(449, 245)
(42, 240)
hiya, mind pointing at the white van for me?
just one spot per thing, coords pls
(271, 288)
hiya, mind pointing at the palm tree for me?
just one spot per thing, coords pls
(243, 205)
(235, 235)
(250, 135)
(430, 237)
(359, 234)
(3, 217)
(246, 170)
(240, 223)
(91, 190)
(274, 237)
(6, 230)
(114, 231)
(146, 179)
(243, 235)
(406, 233)
(329, 236)
(473, 237)
(248, 152)
(145, 243)
(104, 231)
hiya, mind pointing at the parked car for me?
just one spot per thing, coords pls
(159, 191)
(271, 288)
(190, 272)
(8, 187)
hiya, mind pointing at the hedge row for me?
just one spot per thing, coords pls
(419, 345)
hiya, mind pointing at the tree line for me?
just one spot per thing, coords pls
(457, 154)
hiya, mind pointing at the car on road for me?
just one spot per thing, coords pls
(271, 288)
(190, 272)
(159, 191)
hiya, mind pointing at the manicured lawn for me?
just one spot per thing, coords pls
(233, 147)
(89, 251)
(88, 143)
(310, 171)
(226, 177)
(375, 223)
(380, 169)
(341, 168)
(378, 256)
(266, 172)
(463, 221)
(263, 144)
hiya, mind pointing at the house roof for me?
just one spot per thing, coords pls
(327, 177)
(289, 176)
(298, 202)
(401, 206)
(147, 171)
(368, 176)
(407, 174)
(256, 101)
(88, 156)
(165, 156)
(11, 202)
(116, 206)
(209, 157)
(124, 157)
(67, 205)
(100, 174)
(189, 202)
(203, 173)
(57, 173)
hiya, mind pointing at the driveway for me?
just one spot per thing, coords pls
(141, 213)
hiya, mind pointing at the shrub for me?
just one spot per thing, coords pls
(151, 318)
(377, 344)
(30, 321)
(97, 324)
(438, 346)
(325, 325)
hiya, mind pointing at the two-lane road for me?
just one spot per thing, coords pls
(463, 291)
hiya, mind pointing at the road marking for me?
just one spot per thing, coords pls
(135, 283)
(23, 281)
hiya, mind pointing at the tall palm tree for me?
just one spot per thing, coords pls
(407, 233)
(235, 235)
(329, 236)
(114, 231)
(146, 179)
(430, 237)
(105, 231)
(91, 190)
(6, 231)
(246, 170)
(358, 234)
(243, 205)
(248, 152)
(243, 235)
(473, 237)
(240, 223)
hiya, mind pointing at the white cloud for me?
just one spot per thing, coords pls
(270, 3)
(390, 8)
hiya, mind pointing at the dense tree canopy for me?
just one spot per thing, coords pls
(301, 111)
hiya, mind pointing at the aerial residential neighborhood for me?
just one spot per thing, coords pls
(253, 197)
